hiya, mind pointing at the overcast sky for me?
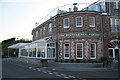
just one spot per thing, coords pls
(17, 17)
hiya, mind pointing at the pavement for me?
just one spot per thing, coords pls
(61, 68)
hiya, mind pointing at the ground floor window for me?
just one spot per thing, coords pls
(32, 52)
(79, 51)
(50, 52)
(41, 52)
(92, 51)
(66, 51)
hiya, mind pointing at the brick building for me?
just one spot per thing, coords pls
(87, 33)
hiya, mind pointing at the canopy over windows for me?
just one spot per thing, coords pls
(18, 45)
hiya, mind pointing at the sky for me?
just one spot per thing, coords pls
(18, 17)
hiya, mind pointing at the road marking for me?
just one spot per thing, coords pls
(51, 73)
(38, 69)
(44, 71)
(58, 75)
(53, 69)
(55, 72)
(72, 76)
(34, 69)
(63, 74)
(66, 77)
(30, 67)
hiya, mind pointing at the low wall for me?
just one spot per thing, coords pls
(51, 63)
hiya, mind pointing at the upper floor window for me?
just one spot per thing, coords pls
(92, 51)
(50, 27)
(79, 21)
(43, 30)
(66, 22)
(115, 25)
(92, 21)
(116, 4)
(36, 33)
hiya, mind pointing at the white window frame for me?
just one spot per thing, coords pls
(116, 4)
(36, 34)
(81, 21)
(93, 21)
(76, 51)
(115, 25)
(94, 51)
(65, 53)
(50, 27)
(64, 23)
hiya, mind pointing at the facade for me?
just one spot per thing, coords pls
(89, 33)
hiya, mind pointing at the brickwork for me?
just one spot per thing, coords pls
(101, 34)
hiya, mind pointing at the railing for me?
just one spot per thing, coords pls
(62, 9)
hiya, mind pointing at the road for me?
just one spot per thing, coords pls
(16, 70)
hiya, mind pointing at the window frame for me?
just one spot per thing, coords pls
(115, 25)
(77, 50)
(116, 4)
(36, 34)
(93, 21)
(64, 23)
(93, 50)
(50, 27)
(80, 21)
(65, 51)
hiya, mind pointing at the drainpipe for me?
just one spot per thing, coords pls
(102, 35)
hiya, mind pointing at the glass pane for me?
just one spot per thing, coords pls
(110, 53)
(116, 54)
(41, 52)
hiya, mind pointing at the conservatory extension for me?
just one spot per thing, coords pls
(42, 49)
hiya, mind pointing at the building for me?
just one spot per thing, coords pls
(77, 33)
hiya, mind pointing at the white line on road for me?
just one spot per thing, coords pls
(44, 71)
(30, 67)
(66, 77)
(58, 75)
(72, 76)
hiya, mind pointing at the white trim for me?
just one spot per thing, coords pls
(95, 50)
(81, 21)
(64, 23)
(69, 51)
(76, 51)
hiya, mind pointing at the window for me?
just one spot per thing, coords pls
(115, 25)
(116, 4)
(36, 33)
(91, 21)
(66, 22)
(66, 51)
(43, 30)
(50, 52)
(79, 51)
(79, 22)
(50, 27)
(93, 51)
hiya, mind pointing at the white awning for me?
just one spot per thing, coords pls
(18, 45)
